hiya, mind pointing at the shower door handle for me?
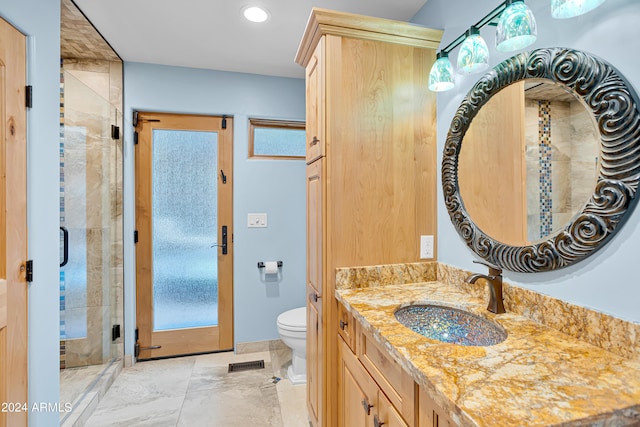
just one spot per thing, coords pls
(65, 246)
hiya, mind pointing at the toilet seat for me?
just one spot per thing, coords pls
(294, 320)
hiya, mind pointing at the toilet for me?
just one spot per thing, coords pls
(292, 327)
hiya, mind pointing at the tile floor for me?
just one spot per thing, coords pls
(199, 391)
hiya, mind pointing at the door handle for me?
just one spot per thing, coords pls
(224, 241)
(65, 246)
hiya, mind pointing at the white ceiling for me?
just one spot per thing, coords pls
(213, 34)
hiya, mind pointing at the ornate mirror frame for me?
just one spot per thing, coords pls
(612, 103)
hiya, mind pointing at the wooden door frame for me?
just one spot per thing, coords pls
(13, 222)
(182, 341)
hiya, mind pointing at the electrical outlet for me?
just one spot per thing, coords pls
(256, 220)
(426, 247)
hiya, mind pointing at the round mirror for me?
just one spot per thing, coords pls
(536, 145)
(550, 162)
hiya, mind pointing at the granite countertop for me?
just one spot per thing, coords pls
(538, 376)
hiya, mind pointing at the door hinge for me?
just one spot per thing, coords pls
(115, 332)
(224, 122)
(135, 138)
(29, 96)
(115, 132)
(29, 271)
(134, 119)
(135, 236)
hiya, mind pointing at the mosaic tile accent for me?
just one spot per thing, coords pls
(546, 188)
(62, 221)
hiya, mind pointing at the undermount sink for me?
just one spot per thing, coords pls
(450, 325)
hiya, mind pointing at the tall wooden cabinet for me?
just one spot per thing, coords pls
(372, 168)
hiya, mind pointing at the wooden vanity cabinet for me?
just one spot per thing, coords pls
(361, 403)
(396, 383)
(374, 390)
(372, 166)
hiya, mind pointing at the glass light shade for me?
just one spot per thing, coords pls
(441, 75)
(517, 28)
(563, 9)
(473, 56)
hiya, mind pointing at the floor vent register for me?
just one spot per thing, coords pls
(245, 366)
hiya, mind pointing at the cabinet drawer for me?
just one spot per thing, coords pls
(347, 327)
(393, 380)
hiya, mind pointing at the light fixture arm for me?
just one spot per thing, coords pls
(488, 19)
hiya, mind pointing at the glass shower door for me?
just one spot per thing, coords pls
(90, 212)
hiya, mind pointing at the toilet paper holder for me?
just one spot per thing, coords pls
(261, 264)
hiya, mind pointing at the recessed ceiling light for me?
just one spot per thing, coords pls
(255, 14)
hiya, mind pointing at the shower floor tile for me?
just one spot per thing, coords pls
(199, 391)
(74, 381)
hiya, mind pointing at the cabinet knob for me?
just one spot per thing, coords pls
(314, 141)
(377, 422)
(314, 296)
(366, 406)
(343, 324)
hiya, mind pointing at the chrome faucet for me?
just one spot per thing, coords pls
(494, 279)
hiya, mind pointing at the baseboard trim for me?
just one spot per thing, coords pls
(258, 346)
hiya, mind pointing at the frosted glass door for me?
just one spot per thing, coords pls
(184, 224)
(184, 213)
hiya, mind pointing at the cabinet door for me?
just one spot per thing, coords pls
(346, 327)
(315, 347)
(430, 414)
(387, 415)
(314, 359)
(315, 117)
(357, 393)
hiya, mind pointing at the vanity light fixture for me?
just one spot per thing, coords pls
(255, 13)
(516, 30)
(563, 9)
(441, 75)
(474, 53)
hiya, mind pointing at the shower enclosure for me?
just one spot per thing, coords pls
(91, 272)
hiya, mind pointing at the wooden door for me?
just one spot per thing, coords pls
(314, 290)
(184, 226)
(491, 162)
(13, 223)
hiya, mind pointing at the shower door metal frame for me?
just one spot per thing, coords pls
(166, 343)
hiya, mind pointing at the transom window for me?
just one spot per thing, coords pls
(279, 139)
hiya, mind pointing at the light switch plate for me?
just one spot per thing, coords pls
(426, 247)
(256, 220)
